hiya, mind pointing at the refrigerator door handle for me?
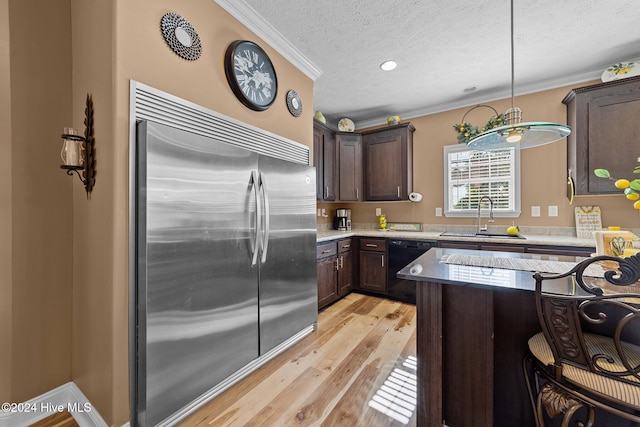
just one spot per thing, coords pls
(265, 200)
(256, 246)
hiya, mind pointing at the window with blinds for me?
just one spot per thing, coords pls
(472, 174)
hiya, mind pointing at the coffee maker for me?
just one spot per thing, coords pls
(342, 220)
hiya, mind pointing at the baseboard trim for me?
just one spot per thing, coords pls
(65, 397)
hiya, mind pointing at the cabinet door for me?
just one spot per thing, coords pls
(373, 271)
(349, 167)
(604, 124)
(324, 160)
(329, 166)
(327, 281)
(345, 273)
(388, 163)
(318, 161)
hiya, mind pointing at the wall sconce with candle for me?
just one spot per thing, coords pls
(79, 152)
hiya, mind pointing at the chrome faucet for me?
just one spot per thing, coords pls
(484, 228)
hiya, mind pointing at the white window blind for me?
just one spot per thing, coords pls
(472, 174)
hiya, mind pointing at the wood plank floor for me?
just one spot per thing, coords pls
(356, 369)
(59, 419)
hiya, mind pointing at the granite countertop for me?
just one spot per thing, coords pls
(530, 239)
(430, 268)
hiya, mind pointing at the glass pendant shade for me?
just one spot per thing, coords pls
(532, 134)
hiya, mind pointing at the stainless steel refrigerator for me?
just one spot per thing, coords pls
(225, 264)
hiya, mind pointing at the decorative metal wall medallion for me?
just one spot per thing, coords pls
(294, 103)
(181, 37)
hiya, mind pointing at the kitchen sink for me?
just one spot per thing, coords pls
(480, 235)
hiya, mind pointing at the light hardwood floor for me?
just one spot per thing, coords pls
(357, 365)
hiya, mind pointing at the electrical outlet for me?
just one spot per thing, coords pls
(553, 211)
(319, 212)
(378, 211)
(535, 211)
(438, 211)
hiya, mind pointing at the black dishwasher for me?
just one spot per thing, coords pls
(401, 253)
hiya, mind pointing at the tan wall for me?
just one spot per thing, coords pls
(543, 172)
(64, 259)
(95, 278)
(6, 268)
(39, 196)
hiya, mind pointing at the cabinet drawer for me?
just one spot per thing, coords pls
(378, 245)
(326, 249)
(344, 245)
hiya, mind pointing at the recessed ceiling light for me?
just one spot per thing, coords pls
(388, 65)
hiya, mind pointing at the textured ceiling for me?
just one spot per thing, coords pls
(443, 47)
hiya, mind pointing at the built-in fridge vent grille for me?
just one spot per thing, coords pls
(160, 107)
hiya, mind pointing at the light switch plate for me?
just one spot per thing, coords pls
(378, 211)
(553, 211)
(438, 211)
(535, 211)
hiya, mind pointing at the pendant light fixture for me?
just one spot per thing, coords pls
(525, 135)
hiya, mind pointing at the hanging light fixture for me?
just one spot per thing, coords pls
(527, 134)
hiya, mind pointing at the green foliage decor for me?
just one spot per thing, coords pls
(466, 131)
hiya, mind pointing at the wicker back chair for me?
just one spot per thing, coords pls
(585, 364)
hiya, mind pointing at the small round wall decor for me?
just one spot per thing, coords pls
(181, 37)
(294, 103)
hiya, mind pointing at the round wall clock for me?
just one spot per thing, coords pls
(250, 74)
(181, 37)
(294, 103)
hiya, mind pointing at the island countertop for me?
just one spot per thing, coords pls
(430, 267)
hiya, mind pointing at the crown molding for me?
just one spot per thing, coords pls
(248, 17)
(575, 79)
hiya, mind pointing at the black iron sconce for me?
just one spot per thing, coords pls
(79, 152)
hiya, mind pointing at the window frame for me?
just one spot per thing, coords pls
(473, 212)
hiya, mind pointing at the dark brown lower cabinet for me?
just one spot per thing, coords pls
(345, 267)
(335, 271)
(327, 273)
(373, 265)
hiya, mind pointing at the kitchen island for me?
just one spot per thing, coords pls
(473, 324)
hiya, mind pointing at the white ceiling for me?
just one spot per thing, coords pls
(443, 47)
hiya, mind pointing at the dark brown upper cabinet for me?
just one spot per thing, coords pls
(349, 166)
(388, 163)
(605, 123)
(324, 159)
